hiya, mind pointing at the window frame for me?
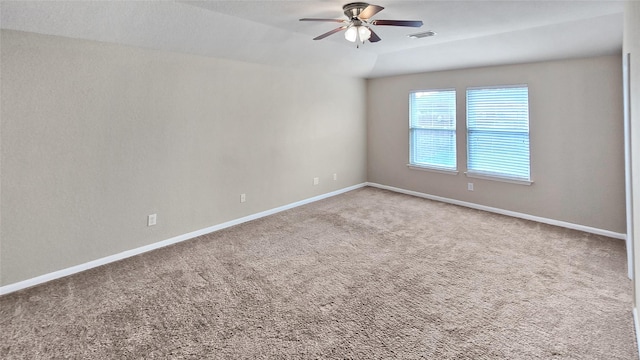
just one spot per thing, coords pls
(433, 167)
(497, 176)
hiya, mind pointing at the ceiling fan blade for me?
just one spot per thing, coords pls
(409, 23)
(374, 37)
(326, 20)
(369, 11)
(329, 33)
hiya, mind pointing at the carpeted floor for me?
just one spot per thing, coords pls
(369, 274)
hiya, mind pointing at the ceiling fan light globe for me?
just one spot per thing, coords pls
(364, 33)
(351, 34)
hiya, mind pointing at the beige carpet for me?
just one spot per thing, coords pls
(369, 274)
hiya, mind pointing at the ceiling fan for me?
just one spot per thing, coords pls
(358, 26)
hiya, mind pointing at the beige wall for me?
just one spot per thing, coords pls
(576, 137)
(632, 46)
(94, 137)
(97, 136)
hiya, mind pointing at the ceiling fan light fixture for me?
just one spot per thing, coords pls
(364, 33)
(357, 33)
(351, 34)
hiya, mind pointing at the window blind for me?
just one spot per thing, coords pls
(498, 132)
(432, 129)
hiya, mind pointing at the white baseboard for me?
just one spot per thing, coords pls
(637, 326)
(505, 212)
(133, 252)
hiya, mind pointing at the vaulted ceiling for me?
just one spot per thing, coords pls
(469, 33)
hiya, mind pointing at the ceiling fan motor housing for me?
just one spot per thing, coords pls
(353, 10)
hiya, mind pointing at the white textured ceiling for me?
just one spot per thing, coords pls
(469, 33)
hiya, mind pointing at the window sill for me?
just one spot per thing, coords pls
(498, 178)
(432, 169)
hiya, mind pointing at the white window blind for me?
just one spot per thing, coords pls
(498, 132)
(432, 129)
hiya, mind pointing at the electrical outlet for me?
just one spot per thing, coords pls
(243, 198)
(316, 181)
(151, 219)
(470, 186)
(335, 176)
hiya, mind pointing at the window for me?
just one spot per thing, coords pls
(498, 133)
(432, 129)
